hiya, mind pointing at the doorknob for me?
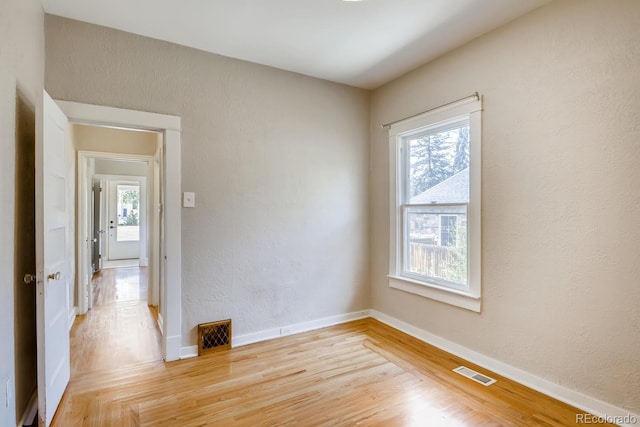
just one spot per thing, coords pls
(28, 278)
(54, 276)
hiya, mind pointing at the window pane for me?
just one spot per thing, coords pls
(438, 163)
(128, 213)
(436, 246)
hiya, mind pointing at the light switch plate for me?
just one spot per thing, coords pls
(188, 199)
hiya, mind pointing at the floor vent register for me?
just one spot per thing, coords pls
(214, 336)
(476, 376)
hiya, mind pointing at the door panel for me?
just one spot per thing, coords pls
(52, 301)
(124, 220)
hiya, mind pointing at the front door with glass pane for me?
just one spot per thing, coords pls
(124, 220)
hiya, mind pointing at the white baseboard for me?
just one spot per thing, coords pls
(563, 394)
(170, 344)
(30, 411)
(72, 316)
(296, 328)
(172, 348)
(187, 352)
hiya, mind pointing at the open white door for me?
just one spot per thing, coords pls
(52, 300)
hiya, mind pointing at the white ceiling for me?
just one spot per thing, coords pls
(359, 43)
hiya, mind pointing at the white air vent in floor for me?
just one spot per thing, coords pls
(476, 376)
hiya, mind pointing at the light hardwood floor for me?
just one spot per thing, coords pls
(120, 330)
(359, 373)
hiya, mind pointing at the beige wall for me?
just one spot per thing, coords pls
(21, 82)
(112, 140)
(278, 161)
(119, 167)
(561, 205)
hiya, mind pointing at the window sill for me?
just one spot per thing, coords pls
(449, 296)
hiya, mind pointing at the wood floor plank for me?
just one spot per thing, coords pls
(120, 330)
(359, 373)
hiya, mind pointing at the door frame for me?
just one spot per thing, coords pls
(84, 180)
(145, 222)
(171, 245)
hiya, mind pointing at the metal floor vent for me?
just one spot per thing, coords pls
(214, 336)
(476, 376)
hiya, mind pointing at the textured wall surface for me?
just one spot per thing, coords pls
(278, 161)
(21, 82)
(561, 195)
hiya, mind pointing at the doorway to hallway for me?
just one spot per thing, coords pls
(123, 225)
(165, 287)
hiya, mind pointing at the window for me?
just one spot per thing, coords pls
(435, 204)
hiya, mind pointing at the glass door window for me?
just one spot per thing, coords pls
(128, 209)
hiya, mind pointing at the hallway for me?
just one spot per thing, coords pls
(120, 330)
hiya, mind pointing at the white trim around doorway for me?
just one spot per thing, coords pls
(146, 241)
(171, 247)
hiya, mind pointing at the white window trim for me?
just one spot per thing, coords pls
(469, 299)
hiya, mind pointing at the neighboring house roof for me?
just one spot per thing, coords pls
(452, 190)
